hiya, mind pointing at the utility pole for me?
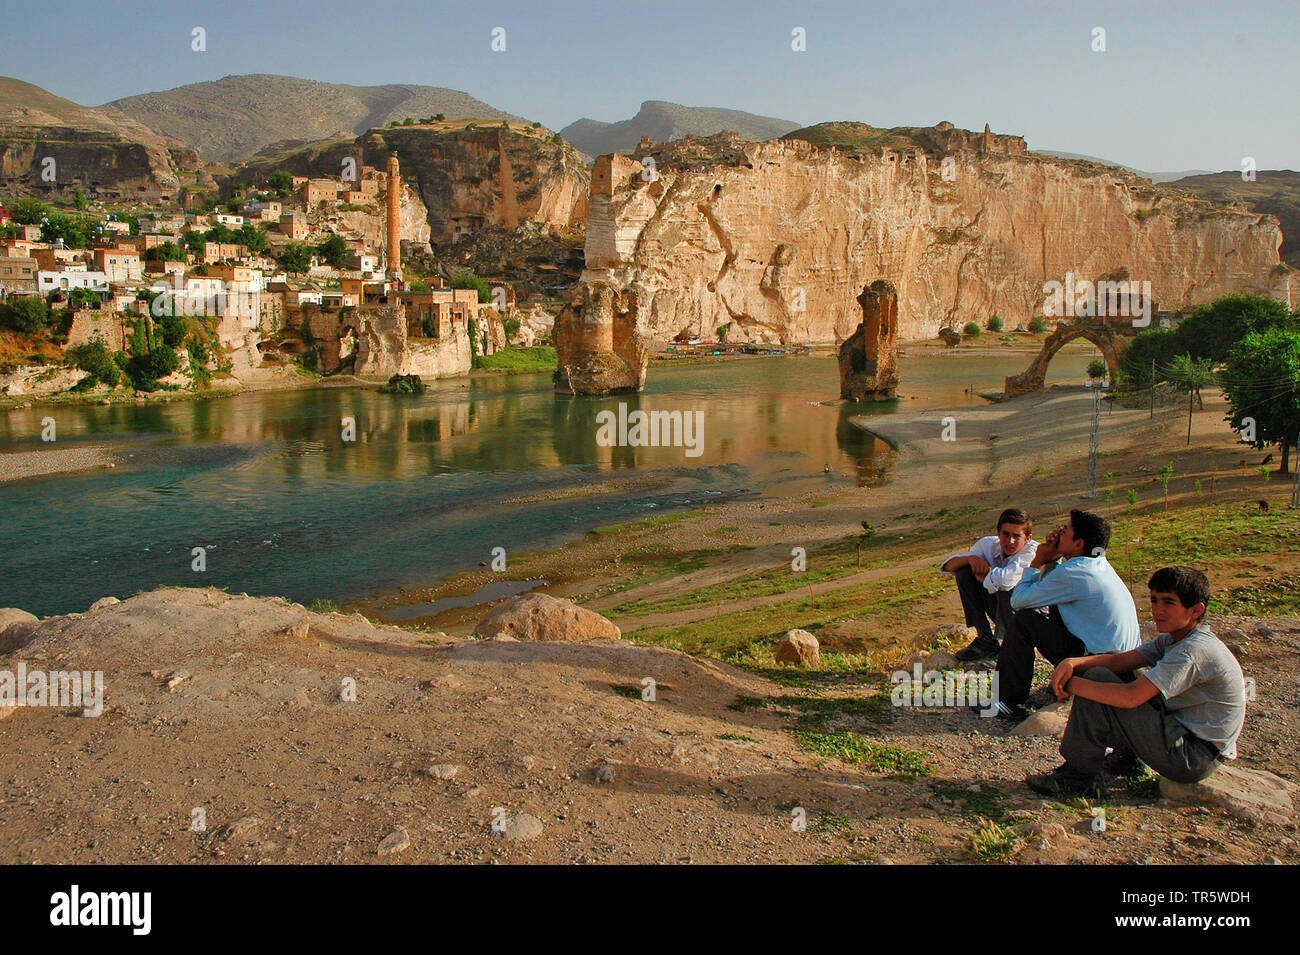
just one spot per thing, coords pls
(1153, 388)
(1094, 439)
(1295, 466)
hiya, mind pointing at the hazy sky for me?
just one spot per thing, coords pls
(1181, 85)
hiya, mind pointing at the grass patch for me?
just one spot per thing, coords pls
(1272, 597)
(322, 606)
(815, 712)
(985, 804)
(737, 737)
(993, 842)
(850, 748)
(630, 690)
(519, 361)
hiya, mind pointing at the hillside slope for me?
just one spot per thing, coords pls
(664, 122)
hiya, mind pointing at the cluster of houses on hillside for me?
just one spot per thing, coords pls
(241, 287)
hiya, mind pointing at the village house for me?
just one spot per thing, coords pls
(315, 191)
(120, 265)
(264, 211)
(228, 220)
(69, 279)
(116, 227)
(56, 260)
(214, 252)
(294, 225)
(17, 275)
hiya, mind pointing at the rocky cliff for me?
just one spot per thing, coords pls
(775, 239)
(95, 149)
(469, 179)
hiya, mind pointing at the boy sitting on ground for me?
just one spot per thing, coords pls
(1181, 718)
(1066, 609)
(986, 575)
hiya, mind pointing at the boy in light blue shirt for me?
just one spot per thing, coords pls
(1076, 607)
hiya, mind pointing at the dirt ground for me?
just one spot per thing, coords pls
(258, 732)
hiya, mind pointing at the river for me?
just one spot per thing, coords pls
(281, 504)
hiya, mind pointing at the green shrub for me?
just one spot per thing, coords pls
(971, 330)
(1097, 369)
(95, 358)
(27, 314)
(995, 324)
(1038, 324)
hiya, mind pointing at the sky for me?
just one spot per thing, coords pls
(1179, 85)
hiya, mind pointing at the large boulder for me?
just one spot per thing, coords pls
(15, 627)
(799, 647)
(1252, 794)
(545, 619)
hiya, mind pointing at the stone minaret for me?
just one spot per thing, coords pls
(394, 220)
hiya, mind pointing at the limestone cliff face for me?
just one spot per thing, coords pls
(384, 347)
(467, 179)
(96, 149)
(776, 239)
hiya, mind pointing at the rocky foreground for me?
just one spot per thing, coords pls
(250, 729)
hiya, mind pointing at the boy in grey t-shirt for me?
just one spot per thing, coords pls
(1182, 717)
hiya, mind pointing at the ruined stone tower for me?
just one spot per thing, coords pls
(869, 358)
(394, 220)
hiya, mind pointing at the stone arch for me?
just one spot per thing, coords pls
(1099, 333)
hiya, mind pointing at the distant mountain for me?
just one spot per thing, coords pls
(1153, 176)
(96, 148)
(664, 122)
(1275, 192)
(232, 118)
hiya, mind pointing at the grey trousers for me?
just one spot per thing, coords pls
(980, 606)
(1150, 731)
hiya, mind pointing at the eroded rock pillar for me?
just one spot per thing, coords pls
(597, 347)
(869, 358)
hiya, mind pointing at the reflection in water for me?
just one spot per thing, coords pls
(285, 506)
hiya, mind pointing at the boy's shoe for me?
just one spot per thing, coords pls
(1122, 764)
(1064, 781)
(978, 649)
(1011, 712)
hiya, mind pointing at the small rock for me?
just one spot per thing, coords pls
(175, 679)
(1049, 721)
(242, 825)
(798, 647)
(442, 770)
(519, 828)
(395, 841)
(604, 773)
(104, 602)
(297, 631)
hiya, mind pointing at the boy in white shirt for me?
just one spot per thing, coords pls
(986, 574)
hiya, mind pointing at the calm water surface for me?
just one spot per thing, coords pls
(431, 484)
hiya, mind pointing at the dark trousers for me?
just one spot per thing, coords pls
(980, 606)
(1032, 630)
(1149, 730)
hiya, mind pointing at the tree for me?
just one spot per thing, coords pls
(1135, 361)
(468, 280)
(280, 182)
(1211, 330)
(195, 240)
(995, 323)
(95, 358)
(971, 330)
(79, 297)
(1097, 369)
(29, 211)
(27, 314)
(166, 252)
(439, 117)
(80, 201)
(333, 251)
(77, 232)
(252, 237)
(295, 258)
(1190, 375)
(1261, 379)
